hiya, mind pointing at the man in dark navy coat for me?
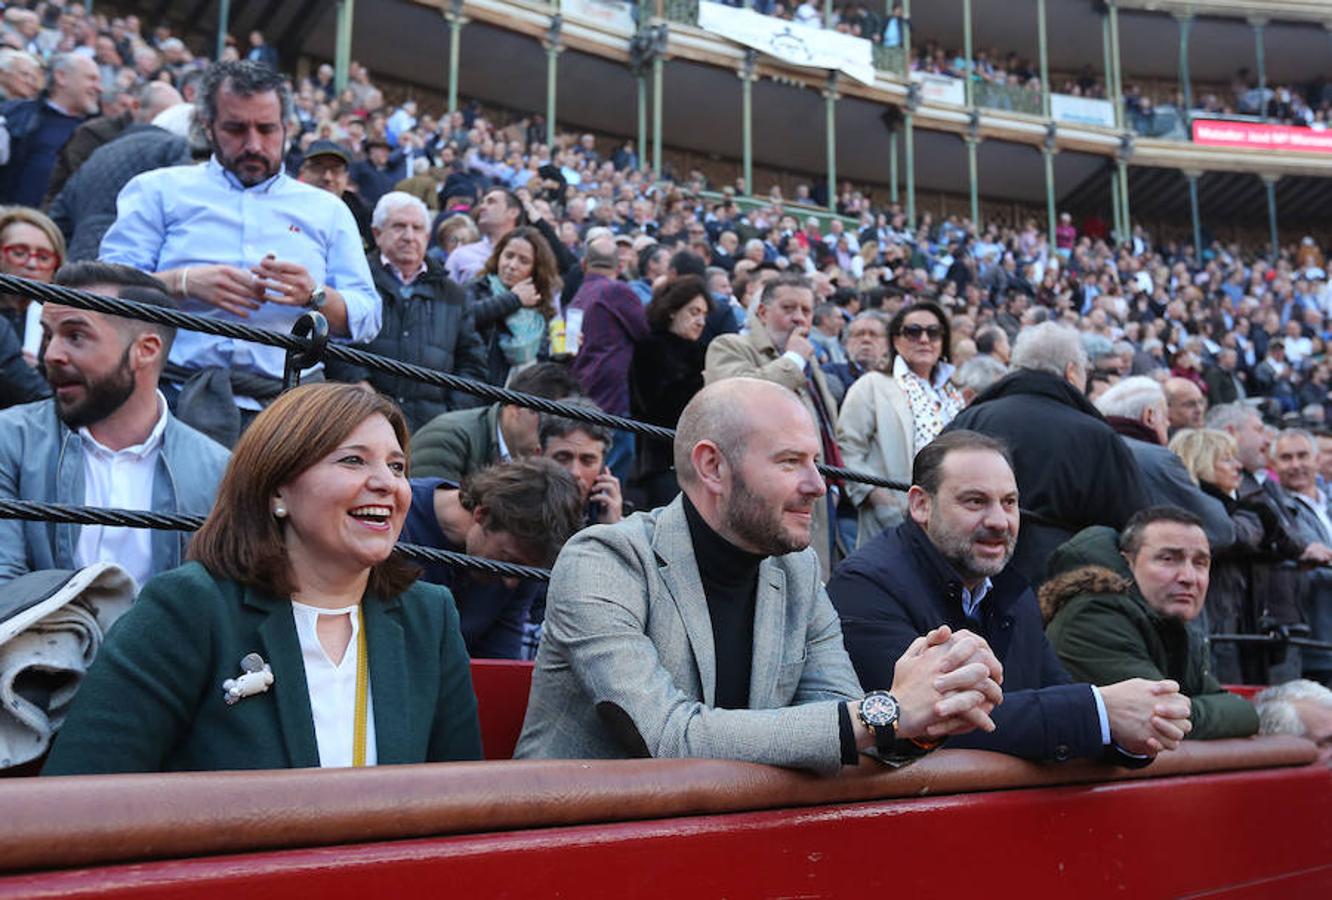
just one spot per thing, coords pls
(948, 564)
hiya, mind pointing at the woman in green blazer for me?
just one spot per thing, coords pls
(294, 637)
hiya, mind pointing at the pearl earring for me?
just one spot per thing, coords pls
(279, 510)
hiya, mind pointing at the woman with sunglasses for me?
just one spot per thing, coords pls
(32, 247)
(890, 414)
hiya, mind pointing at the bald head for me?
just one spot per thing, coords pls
(725, 413)
(156, 97)
(601, 255)
(746, 455)
(1185, 404)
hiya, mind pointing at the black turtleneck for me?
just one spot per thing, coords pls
(730, 586)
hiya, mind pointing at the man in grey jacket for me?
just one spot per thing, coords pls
(701, 629)
(1136, 408)
(106, 438)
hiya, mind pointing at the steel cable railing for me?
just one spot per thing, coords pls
(306, 346)
(309, 348)
(133, 518)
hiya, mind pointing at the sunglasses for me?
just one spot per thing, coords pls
(916, 332)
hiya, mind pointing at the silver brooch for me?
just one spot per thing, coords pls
(256, 676)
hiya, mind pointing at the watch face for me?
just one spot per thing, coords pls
(878, 709)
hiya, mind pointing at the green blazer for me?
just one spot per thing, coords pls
(153, 699)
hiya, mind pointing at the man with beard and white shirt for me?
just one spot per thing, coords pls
(947, 564)
(105, 439)
(701, 629)
(240, 240)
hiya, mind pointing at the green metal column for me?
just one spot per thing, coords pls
(1049, 147)
(223, 23)
(553, 49)
(453, 15)
(972, 185)
(1259, 26)
(1270, 182)
(747, 117)
(1192, 177)
(1107, 65)
(908, 119)
(1042, 40)
(906, 37)
(1116, 215)
(830, 129)
(909, 137)
(892, 168)
(1126, 226)
(1115, 222)
(1048, 150)
(966, 43)
(642, 122)
(657, 64)
(1185, 82)
(342, 43)
(1116, 84)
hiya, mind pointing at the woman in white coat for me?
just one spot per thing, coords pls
(890, 414)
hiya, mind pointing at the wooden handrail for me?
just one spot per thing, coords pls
(90, 820)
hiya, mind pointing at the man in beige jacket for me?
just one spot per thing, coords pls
(777, 349)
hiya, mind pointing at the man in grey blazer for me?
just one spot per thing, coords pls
(701, 629)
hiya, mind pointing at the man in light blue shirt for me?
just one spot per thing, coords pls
(238, 239)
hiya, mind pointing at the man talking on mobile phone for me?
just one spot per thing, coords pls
(581, 447)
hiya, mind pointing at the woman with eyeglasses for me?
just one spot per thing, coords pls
(890, 414)
(32, 247)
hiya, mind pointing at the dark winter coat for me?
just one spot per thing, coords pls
(898, 587)
(427, 323)
(1072, 469)
(666, 373)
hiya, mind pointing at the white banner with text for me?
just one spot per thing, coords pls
(612, 14)
(1082, 110)
(799, 45)
(940, 88)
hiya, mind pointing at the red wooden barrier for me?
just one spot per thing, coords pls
(1263, 833)
(1197, 822)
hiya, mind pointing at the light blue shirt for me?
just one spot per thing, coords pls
(202, 215)
(971, 601)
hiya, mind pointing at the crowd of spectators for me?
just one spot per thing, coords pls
(483, 245)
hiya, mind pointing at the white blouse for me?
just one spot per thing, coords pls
(333, 689)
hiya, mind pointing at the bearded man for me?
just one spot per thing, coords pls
(106, 437)
(701, 629)
(239, 240)
(948, 564)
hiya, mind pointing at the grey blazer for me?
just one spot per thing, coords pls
(627, 665)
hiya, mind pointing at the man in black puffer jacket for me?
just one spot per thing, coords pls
(1073, 471)
(427, 320)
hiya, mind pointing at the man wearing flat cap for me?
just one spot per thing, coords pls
(326, 165)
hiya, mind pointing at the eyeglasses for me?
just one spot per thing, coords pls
(18, 254)
(916, 332)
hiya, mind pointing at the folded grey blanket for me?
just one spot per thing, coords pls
(51, 626)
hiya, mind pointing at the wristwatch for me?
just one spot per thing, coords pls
(317, 298)
(879, 712)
